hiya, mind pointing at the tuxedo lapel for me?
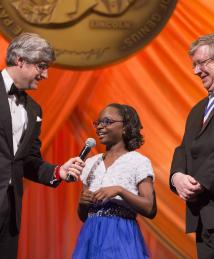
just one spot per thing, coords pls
(5, 115)
(30, 126)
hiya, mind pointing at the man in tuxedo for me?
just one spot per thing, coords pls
(28, 58)
(192, 170)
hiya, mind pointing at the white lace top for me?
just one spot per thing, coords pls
(126, 171)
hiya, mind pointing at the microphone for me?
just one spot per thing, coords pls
(90, 142)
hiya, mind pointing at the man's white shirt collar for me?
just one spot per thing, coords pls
(8, 81)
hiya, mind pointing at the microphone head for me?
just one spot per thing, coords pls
(90, 142)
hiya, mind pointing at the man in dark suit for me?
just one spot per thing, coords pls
(28, 58)
(192, 170)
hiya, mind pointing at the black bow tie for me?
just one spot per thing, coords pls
(20, 94)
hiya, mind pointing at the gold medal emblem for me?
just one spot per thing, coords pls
(88, 33)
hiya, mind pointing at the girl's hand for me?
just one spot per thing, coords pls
(106, 193)
(86, 197)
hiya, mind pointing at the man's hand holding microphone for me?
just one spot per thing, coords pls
(72, 169)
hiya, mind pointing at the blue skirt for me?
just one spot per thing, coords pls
(110, 237)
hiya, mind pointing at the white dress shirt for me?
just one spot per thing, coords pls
(18, 113)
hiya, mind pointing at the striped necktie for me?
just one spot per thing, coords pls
(209, 108)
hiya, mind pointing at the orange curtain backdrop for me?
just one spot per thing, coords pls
(159, 83)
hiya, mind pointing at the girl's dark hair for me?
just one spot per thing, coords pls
(132, 126)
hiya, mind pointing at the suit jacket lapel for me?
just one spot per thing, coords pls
(30, 126)
(202, 109)
(5, 115)
(204, 126)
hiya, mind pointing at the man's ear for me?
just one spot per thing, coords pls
(19, 62)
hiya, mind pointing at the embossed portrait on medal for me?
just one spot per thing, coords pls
(64, 11)
(113, 7)
(53, 11)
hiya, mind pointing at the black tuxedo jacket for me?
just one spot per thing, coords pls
(27, 161)
(195, 156)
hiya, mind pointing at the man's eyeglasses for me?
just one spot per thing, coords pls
(104, 122)
(41, 66)
(202, 63)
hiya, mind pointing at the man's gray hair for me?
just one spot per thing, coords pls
(30, 47)
(204, 40)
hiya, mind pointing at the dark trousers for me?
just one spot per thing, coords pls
(8, 230)
(205, 242)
